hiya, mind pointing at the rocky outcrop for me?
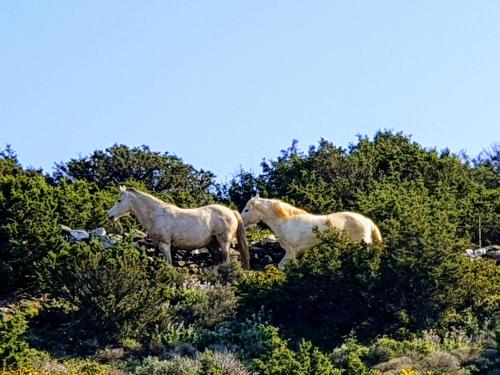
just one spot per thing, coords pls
(263, 252)
(491, 252)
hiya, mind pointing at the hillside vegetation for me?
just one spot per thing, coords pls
(415, 304)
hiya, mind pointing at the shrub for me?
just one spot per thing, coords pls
(204, 304)
(206, 363)
(178, 182)
(28, 228)
(118, 292)
(13, 348)
(322, 297)
(31, 211)
(278, 359)
(352, 357)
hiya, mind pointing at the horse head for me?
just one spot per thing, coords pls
(122, 206)
(251, 214)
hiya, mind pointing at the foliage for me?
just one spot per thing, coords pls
(278, 359)
(178, 182)
(352, 357)
(204, 304)
(118, 292)
(415, 304)
(206, 363)
(10, 166)
(28, 227)
(322, 297)
(31, 211)
(329, 178)
(13, 348)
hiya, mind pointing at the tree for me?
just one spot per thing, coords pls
(157, 172)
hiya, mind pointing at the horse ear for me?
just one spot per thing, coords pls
(257, 196)
(123, 189)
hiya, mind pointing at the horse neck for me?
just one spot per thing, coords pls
(272, 220)
(143, 207)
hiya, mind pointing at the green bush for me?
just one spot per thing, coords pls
(163, 173)
(118, 293)
(206, 363)
(31, 211)
(278, 359)
(322, 297)
(204, 304)
(28, 228)
(13, 348)
(352, 358)
(427, 280)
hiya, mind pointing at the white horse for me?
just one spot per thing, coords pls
(188, 229)
(295, 227)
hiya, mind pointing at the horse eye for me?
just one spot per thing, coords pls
(245, 210)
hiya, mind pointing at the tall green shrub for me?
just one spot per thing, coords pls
(118, 293)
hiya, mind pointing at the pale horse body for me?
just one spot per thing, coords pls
(294, 227)
(188, 229)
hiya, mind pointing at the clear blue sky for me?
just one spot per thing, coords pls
(226, 83)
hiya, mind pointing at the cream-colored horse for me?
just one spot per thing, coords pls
(295, 227)
(188, 229)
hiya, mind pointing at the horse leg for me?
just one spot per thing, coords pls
(283, 262)
(225, 245)
(213, 249)
(289, 255)
(165, 250)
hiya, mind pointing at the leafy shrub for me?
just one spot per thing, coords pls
(31, 211)
(426, 279)
(322, 297)
(28, 228)
(163, 173)
(206, 363)
(13, 348)
(118, 292)
(278, 359)
(203, 303)
(352, 357)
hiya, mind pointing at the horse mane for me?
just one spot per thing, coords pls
(133, 190)
(285, 210)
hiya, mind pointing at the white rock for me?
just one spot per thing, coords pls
(474, 254)
(203, 250)
(79, 234)
(98, 232)
(269, 238)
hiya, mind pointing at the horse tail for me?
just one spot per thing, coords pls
(376, 235)
(242, 241)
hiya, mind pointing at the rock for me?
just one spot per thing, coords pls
(269, 238)
(98, 232)
(79, 234)
(108, 242)
(76, 234)
(204, 250)
(65, 228)
(267, 259)
(474, 254)
(52, 367)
